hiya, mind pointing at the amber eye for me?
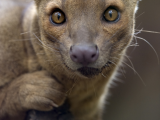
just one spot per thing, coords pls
(58, 17)
(111, 15)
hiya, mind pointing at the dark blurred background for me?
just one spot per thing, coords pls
(130, 99)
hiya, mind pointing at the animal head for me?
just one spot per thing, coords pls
(85, 37)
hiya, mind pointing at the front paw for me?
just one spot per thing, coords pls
(39, 91)
(35, 91)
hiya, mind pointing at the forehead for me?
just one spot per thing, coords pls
(84, 4)
(91, 2)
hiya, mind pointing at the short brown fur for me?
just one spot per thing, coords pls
(36, 71)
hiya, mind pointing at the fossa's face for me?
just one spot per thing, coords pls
(86, 36)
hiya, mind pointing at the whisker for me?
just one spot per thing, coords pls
(148, 31)
(44, 45)
(128, 60)
(55, 38)
(133, 45)
(138, 26)
(121, 69)
(140, 15)
(136, 43)
(25, 33)
(71, 89)
(103, 75)
(28, 32)
(114, 35)
(139, 31)
(150, 46)
(24, 39)
(134, 71)
(47, 48)
(54, 47)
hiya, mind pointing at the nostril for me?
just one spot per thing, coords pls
(93, 55)
(75, 57)
(71, 48)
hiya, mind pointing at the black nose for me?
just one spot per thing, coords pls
(84, 54)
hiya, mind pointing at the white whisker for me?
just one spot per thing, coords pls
(121, 69)
(103, 75)
(128, 60)
(148, 31)
(138, 26)
(24, 39)
(139, 31)
(140, 15)
(150, 46)
(136, 73)
(25, 33)
(44, 45)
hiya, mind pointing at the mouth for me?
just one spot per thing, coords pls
(88, 71)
